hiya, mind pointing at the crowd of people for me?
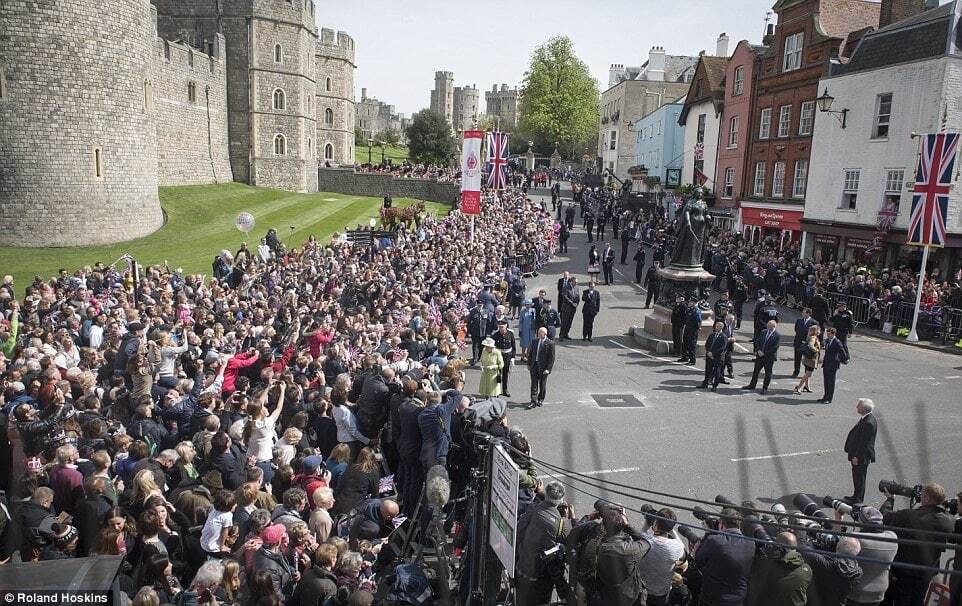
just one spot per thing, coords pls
(411, 170)
(256, 437)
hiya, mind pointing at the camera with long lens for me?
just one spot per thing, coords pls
(894, 488)
(705, 517)
(690, 535)
(808, 507)
(725, 501)
(754, 527)
(842, 507)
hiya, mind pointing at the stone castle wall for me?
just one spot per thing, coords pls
(334, 62)
(70, 99)
(346, 181)
(192, 142)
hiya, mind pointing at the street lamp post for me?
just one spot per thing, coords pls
(382, 154)
(370, 143)
(825, 106)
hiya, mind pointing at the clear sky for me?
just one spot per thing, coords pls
(401, 43)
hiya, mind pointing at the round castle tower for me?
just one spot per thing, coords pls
(335, 98)
(78, 149)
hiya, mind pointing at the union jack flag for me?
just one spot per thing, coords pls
(930, 197)
(497, 159)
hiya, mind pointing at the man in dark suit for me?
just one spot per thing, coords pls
(505, 343)
(591, 300)
(625, 242)
(678, 313)
(540, 363)
(652, 284)
(570, 216)
(689, 339)
(835, 355)
(569, 297)
(820, 309)
(563, 282)
(639, 259)
(766, 352)
(608, 263)
(801, 336)
(860, 447)
(715, 347)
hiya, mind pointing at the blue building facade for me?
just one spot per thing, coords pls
(659, 145)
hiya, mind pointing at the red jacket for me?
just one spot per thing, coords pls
(234, 366)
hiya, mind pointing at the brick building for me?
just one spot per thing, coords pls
(736, 118)
(809, 34)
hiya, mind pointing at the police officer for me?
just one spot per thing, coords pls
(723, 306)
(505, 343)
(625, 241)
(765, 311)
(678, 314)
(690, 336)
(639, 260)
(739, 294)
(652, 283)
(843, 322)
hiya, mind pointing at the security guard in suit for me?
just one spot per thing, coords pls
(715, 347)
(678, 313)
(690, 335)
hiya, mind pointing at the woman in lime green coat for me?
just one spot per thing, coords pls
(491, 364)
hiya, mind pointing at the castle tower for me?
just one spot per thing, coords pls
(467, 100)
(270, 75)
(334, 58)
(78, 150)
(442, 97)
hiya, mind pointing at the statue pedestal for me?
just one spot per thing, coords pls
(656, 333)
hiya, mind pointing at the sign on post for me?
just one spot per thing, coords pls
(502, 536)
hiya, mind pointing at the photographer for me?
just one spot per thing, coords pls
(833, 578)
(542, 531)
(725, 559)
(610, 567)
(871, 587)
(587, 528)
(908, 587)
(667, 552)
(780, 576)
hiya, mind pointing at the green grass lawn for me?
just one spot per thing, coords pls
(200, 222)
(397, 153)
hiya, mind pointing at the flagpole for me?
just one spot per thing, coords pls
(913, 334)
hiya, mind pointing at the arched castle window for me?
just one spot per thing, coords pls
(280, 145)
(280, 101)
(190, 58)
(329, 116)
(192, 92)
(167, 50)
(327, 85)
(278, 54)
(328, 152)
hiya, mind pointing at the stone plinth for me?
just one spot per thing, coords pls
(656, 334)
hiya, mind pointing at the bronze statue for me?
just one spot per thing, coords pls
(691, 221)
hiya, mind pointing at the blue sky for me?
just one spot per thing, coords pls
(401, 44)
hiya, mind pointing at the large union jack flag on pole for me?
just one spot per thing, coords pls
(930, 197)
(497, 160)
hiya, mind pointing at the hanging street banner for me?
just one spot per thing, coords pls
(502, 537)
(471, 170)
(930, 197)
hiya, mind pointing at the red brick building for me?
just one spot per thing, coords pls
(734, 130)
(808, 35)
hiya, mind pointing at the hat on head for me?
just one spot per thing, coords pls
(489, 342)
(870, 515)
(502, 322)
(311, 464)
(274, 534)
(554, 493)
(212, 480)
(135, 327)
(18, 387)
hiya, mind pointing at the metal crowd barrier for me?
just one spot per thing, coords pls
(936, 323)
(860, 307)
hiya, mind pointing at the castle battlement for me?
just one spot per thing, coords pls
(335, 45)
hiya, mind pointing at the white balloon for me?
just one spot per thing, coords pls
(244, 222)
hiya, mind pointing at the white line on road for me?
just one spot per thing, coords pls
(786, 455)
(645, 353)
(599, 472)
(954, 377)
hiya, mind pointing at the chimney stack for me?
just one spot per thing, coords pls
(721, 46)
(363, 94)
(656, 64)
(893, 11)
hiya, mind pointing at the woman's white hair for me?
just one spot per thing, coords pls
(209, 574)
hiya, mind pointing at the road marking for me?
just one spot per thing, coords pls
(645, 353)
(598, 472)
(786, 455)
(954, 377)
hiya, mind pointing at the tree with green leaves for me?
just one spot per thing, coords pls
(430, 139)
(390, 137)
(559, 100)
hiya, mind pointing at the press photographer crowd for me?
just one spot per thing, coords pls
(296, 430)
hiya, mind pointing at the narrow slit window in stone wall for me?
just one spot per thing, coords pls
(327, 85)
(167, 50)
(328, 152)
(98, 163)
(190, 58)
(3, 83)
(192, 92)
(146, 95)
(278, 54)
(329, 116)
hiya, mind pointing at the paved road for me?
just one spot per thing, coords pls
(696, 443)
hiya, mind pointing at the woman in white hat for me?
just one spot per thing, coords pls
(491, 364)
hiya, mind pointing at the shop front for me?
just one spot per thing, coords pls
(856, 249)
(824, 248)
(782, 225)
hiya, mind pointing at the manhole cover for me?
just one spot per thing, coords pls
(617, 400)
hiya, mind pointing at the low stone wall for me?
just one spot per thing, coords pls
(346, 181)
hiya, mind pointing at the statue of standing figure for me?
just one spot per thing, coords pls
(691, 221)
